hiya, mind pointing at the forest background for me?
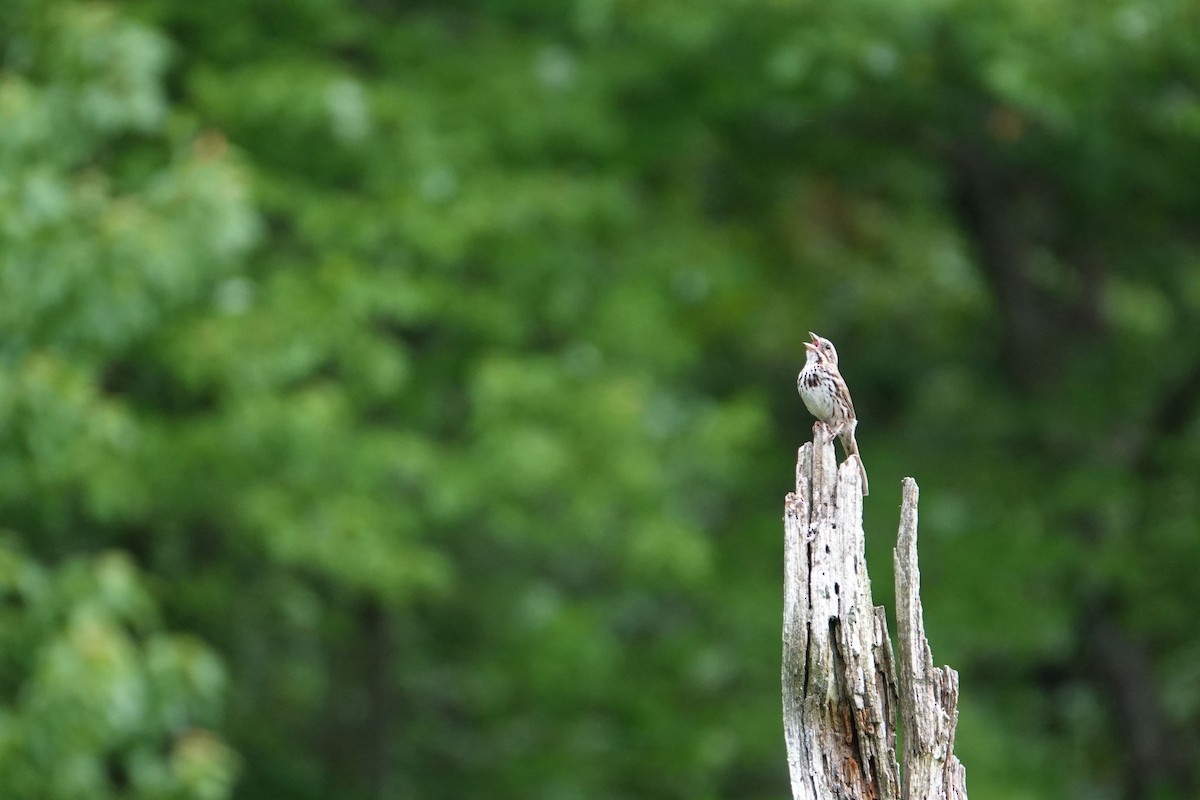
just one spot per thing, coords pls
(397, 398)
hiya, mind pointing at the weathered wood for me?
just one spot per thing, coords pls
(839, 675)
(838, 680)
(928, 695)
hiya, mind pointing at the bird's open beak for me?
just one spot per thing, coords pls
(813, 344)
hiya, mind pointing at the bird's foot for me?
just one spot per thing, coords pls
(823, 433)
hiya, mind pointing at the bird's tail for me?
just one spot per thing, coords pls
(851, 445)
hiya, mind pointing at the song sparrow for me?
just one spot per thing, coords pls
(827, 397)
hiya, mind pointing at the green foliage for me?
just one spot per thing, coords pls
(399, 398)
(100, 701)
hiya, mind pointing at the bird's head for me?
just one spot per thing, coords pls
(821, 350)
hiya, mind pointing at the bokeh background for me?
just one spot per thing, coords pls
(397, 398)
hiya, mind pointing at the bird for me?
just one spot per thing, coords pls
(826, 396)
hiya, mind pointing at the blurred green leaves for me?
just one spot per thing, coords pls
(100, 700)
(100, 248)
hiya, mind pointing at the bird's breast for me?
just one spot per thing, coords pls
(816, 394)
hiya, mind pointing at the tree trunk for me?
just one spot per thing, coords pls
(840, 689)
(928, 695)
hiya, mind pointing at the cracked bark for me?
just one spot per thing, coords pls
(840, 689)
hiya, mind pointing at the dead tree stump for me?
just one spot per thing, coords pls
(841, 696)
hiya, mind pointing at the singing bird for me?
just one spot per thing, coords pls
(826, 396)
